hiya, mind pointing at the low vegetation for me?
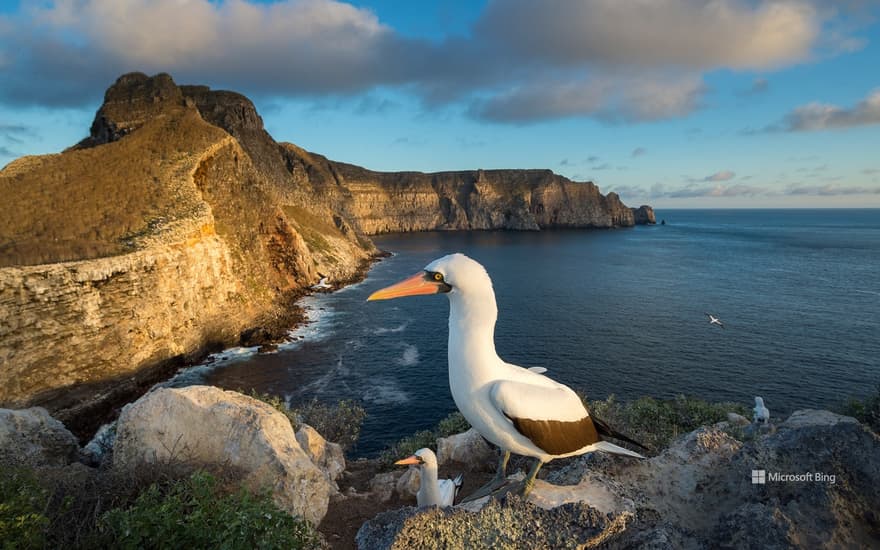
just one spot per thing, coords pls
(866, 411)
(340, 422)
(196, 513)
(76, 508)
(656, 422)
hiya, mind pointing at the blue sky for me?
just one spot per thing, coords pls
(674, 103)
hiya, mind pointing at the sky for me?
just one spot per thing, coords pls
(672, 103)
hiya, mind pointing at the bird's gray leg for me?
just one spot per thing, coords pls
(530, 479)
(498, 481)
(501, 471)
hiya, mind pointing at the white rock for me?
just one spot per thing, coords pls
(207, 425)
(812, 417)
(326, 455)
(468, 447)
(596, 493)
(32, 437)
(737, 419)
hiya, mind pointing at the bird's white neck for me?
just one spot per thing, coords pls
(472, 319)
(429, 491)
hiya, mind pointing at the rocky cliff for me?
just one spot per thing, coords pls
(165, 233)
(179, 224)
(389, 202)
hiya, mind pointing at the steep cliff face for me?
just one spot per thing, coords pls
(154, 239)
(386, 202)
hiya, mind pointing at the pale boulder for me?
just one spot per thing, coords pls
(409, 482)
(326, 455)
(207, 425)
(468, 447)
(32, 437)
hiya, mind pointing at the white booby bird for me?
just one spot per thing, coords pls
(432, 492)
(517, 409)
(715, 320)
(321, 285)
(762, 414)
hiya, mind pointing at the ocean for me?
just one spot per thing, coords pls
(617, 311)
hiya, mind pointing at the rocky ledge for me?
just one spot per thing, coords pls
(813, 481)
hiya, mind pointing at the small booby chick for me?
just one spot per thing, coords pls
(432, 492)
(762, 414)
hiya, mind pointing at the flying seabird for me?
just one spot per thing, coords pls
(762, 414)
(715, 320)
(432, 492)
(321, 285)
(517, 409)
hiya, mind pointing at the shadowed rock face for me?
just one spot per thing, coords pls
(698, 493)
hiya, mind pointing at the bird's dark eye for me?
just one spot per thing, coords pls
(438, 277)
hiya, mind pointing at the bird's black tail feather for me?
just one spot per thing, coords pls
(607, 431)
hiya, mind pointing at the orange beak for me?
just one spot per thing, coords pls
(413, 286)
(410, 460)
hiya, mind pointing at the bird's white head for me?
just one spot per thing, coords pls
(455, 274)
(759, 401)
(422, 457)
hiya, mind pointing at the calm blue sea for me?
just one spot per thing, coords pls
(607, 312)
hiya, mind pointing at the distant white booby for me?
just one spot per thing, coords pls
(715, 320)
(519, 410)
(432, 492)
(762, 414)
(321, 285)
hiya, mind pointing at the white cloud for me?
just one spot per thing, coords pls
(611, 99)
(687, 33)
(822, 116)
(829, 190)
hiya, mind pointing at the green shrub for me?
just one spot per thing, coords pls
(656, 422)
(452, 424)
(339, 423)
(195, 513)
(867, 411)
(23, 503)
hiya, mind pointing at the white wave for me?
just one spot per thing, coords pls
(410, 356)
(399, 328)
(385, 392)
(875, 293)
(333, 376)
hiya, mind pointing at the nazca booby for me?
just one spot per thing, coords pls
(715, 320)
(762, 414)
(517, 409)
(432, 492)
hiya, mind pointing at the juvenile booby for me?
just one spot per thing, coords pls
(322, 284)
(762, 414)
(432, 492)
(517, 409)
(715, 320)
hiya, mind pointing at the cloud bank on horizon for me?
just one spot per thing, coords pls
(520, 63)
